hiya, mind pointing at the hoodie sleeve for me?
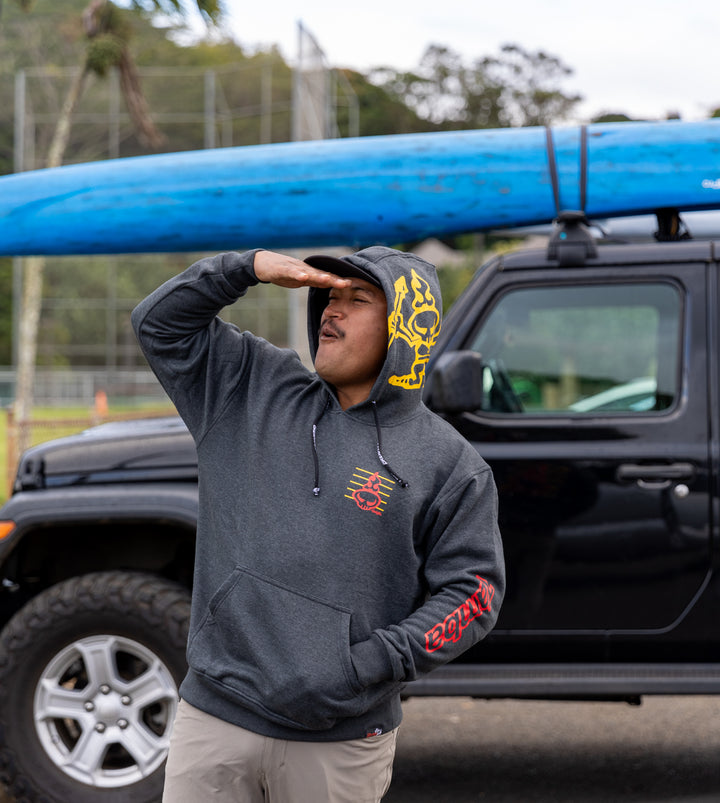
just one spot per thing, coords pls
(465, 575)
(185, 342)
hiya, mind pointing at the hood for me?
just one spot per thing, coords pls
(414, 307)
(159, 449)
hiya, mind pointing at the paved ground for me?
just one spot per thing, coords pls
(457, 751)
(463, 751)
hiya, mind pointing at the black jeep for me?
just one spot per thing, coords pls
(587, 375)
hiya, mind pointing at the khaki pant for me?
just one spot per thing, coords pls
(211, 760)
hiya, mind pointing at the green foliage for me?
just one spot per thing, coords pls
(25, 5)
(6, 285)
(113, 19)
(54, 37)
(516, 88)
(104, 52)
(48, 36)
(528, 84)
(612, 117)
(211, 10)
(93, 329)
(452, 282)
(381, 112)
(6, 133)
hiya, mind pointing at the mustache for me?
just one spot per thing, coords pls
(330, 327)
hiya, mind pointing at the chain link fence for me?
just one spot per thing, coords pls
(87, 300)
(85, 344)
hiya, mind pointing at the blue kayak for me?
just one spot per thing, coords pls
(351, 192)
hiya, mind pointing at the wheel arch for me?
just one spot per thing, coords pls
(66, 534)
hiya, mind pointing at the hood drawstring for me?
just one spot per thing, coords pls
(316, 460)
(316, 489)
(399, 480)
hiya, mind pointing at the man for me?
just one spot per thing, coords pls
(347, 537)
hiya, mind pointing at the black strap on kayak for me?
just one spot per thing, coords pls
(583, 166)
(552, 164)
(571, 244)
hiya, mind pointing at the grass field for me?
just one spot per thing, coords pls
(57, 422)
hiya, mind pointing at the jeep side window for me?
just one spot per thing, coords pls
(582, 349)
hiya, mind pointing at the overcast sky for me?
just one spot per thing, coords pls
(642, 57)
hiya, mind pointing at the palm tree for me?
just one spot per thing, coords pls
(107, 33)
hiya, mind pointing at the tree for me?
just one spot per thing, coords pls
(612, 117)
(381, 112)
(516, 88)
(527, 85)
(108, 32)
(434, 91)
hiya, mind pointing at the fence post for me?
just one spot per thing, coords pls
(12, 450)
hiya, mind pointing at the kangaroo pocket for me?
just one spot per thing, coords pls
(281, 653)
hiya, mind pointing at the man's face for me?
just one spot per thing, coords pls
(353, 340)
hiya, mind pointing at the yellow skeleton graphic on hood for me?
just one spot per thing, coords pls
(415, 318)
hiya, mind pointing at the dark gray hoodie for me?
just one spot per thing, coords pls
(339, 553)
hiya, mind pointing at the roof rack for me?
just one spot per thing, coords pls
(571, 243)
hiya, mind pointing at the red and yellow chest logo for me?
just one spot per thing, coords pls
(369, 490)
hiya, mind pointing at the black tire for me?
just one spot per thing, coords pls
(89, 672)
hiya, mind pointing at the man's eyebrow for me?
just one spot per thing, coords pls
(363, 288)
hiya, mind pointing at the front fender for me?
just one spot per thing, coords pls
(30, 510)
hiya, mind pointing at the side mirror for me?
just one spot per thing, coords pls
(456, 383)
